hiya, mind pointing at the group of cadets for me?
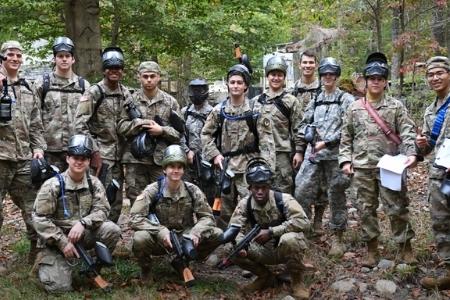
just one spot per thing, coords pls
(175, 164)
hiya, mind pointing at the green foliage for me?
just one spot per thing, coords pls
(22, 246)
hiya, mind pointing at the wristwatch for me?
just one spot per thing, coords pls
(83, 222)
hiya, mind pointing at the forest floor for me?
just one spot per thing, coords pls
(329, 278)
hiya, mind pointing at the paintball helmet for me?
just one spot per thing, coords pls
(240, 70)
(112, 57)
(80, 145)
(41, 170)
(376, 64)
(198, 91)
(276, 63)
(329, 65)
(142, 145)
(258, 171)
(63, 43)
(173, 154)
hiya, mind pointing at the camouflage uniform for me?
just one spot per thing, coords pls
(102, 127)
(191, 141)
(194, 218)
(315, 181)
(440, 211)
(284, 133)
(305, 93)
(58, 114)
(21, 138)
(363, 143)
(53, 226)
(235, 136)
(288, 242)
(141, 172)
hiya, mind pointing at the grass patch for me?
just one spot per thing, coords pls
(22, 246)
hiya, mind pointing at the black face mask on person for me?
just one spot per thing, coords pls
(198, 94)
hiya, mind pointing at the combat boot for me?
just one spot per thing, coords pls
(33, 252)
(441, 283)
(406, 253)
(317, 223)
(299, 289)
(337, 246)
(265, 279)
(372, 254)
(146, 273)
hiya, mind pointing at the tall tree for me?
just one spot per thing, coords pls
(440, 26)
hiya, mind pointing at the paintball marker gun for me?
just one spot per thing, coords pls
(111, 191)
(223, 186)
(242, 245)
(311, 138)
(5, 104)
(184, 253)
(92, 270)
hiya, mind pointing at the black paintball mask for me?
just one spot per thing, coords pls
(258, 171)
(198, 91)
(41, 170)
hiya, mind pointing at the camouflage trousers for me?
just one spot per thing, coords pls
(395, 204)
(440, 218)
(317, 181)
(57, 159)
(15, 179)
(146, 244)
(289, 250)
(55, 274)
(115, 171)
(283, 181)
(239, 190)
(138, 176)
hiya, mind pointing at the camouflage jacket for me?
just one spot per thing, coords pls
(160, 105)
(48, 212)
(363, 142)
(326, 114)
(58, 109)
(185, 211)
(268, 216)
(305, 93)
(284, 129)
(236, 135)
(191, 140)
(101, 124)
(23, 136)
(428, 122)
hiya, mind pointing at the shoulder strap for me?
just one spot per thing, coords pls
(186, 114)
(62, 195)
(190, 193)
(380, 122)
(23, 81)
(438, 122)
(279, 202)
(99, 100)
(250, 216)
(45, 87)
(81, 83)
(158, 196)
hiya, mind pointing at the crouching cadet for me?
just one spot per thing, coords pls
(70, 215)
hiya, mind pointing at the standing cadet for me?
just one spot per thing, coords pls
(71, 208)
(195, 115)
(157, 109)
(230, 138)
(363, 143)
(97, 115)
(280, 240)
(22, 139)
(285, 113)
(320, 173)
(436, 131)
(171, 204)
(59, 93)
(307, 88)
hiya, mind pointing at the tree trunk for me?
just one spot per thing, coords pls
(398, 28)
(83, 27)
(116, 23)
(377, 14)
(439, 26)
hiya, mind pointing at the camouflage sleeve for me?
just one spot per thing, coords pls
(100, 206)
(346, 144)
(202, 210)
(169, 133)
(426, 131)
(83, 114)
(239, 217)
(37, 140)
(308, 118)
(209, 147)
(296, 118)
(38, 88)
(297, 221)
(183, 140)
(335, 138)
(125, 126)
(43, 210)
(407, 131)
(140, 209)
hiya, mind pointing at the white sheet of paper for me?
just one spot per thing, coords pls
(391, 171)
(443, 155)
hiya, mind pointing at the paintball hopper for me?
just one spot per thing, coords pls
(445, 187)
(226, 183)
(230, 233)
(188, 247)
(310, 132)
(104, 257)
(41, 170)
(206, 171)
